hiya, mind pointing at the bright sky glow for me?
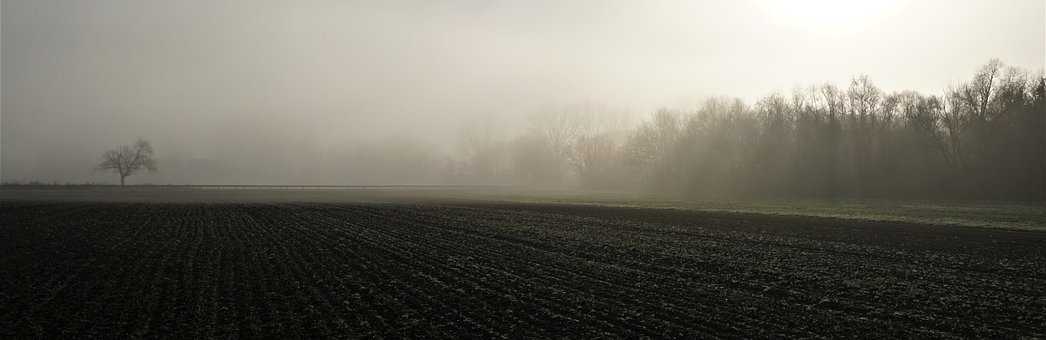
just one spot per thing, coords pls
(830, 17)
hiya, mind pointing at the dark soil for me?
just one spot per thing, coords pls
(457, 269)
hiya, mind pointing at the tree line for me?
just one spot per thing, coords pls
(984, 138)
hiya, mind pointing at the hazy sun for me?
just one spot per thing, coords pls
(830, 17)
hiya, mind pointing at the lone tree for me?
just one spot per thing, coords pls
(129, 159)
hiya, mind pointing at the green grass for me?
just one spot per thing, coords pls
(1006, 215)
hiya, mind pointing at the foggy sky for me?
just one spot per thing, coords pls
(287, 91)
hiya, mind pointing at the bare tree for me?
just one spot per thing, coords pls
(594, 159)
(127, 160)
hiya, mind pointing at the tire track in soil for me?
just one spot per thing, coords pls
(394, 278)
(606, 298)
(606, 274)
(477, 282)
(320, 296)
(372, 267)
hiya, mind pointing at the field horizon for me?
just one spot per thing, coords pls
(962, 213)
(143, 262)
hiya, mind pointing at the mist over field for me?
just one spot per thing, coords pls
(524, 169)
(536, 93)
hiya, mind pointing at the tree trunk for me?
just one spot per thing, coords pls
(121, 179)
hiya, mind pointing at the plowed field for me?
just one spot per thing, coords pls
(455, 269)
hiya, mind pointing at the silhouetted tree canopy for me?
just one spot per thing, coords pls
(127, 160)
(984, 138)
